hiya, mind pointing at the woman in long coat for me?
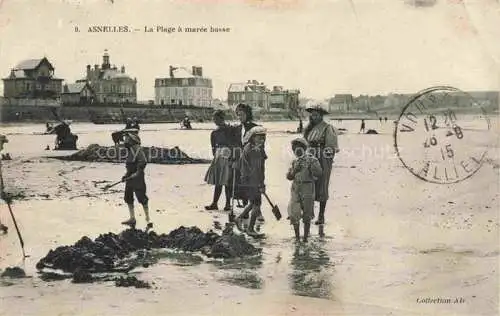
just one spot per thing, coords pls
(220, 172)
(322, 140)
(245, 116)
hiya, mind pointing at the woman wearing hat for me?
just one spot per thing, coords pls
(219, 173)
(3, 140)
(322, 140)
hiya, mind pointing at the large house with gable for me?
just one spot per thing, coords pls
(32, 79)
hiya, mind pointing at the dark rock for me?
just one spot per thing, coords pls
(13, 272)
(371, 131)
(131, 281)
(82, 276)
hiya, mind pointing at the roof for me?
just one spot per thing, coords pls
(242, 87)
(182, 72)
(29, 64)
(237, 87)
(342, 98)
(75, 87)
(114, 74)
(19, 74)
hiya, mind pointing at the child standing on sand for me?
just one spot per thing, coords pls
(134, 178)
(304, 171)
(252, 167)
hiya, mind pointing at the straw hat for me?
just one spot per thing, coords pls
(300, 140)
(317, 108)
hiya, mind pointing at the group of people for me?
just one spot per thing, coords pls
(238, 166)
(239, 160)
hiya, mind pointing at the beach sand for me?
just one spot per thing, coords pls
(392, 241)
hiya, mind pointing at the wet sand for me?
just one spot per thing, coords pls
(392, 240)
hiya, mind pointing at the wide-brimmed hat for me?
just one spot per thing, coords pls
(256, 130)
(317, 108)
(300, 140)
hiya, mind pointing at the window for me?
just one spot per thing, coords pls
(184, 82)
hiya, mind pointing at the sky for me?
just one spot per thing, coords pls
(321, 47)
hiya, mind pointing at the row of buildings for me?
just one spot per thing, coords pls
(345, 103)
(106, 84)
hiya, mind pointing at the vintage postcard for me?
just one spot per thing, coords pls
(249, 157)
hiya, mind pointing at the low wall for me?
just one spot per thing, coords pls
(112, 114)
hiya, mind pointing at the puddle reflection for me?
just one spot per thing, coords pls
(312, 271)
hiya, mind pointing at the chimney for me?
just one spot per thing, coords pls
(194, 72)
(123, 69)
(249, 81)
(200, 71)
(171, 71)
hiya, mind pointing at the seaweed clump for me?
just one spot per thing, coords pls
(156, 155)
(107, 253)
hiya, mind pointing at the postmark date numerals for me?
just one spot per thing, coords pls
(430, 142)
(449, 152)
(432, 123)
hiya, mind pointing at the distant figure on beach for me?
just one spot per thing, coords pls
(65, 139)
(245, 116)
(186, 123)
(128, 123)
(304, 171)
(135, 123)
(380, 119)
(252, 168)
(134, 178)
(219, 173)
(322, 140)
(132, 123)
(362, 129)
(3, 195)
(385, 118)
(48, 127)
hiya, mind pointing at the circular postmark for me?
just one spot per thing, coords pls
(440, 134)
